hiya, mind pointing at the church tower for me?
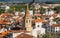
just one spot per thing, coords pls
(28, 22)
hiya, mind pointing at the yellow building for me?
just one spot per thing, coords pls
(28, 22)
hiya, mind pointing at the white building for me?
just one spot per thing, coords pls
(37, 6)
(2, 30)
(56, 27)
(17, 13)
(19, 33)
(7, 8)
(38, 28)
(51, 12)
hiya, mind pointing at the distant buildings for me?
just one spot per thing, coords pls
(55, 28)
(24, 24)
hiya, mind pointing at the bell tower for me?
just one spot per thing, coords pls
(28, 22)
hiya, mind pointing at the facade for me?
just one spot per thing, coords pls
(51, 12)
(28, 20)
(38, 30)
(55, 27)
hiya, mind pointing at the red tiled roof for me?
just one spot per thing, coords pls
(56, 25)
(37, 14)
(2, 22)
(18, 31)
(1, 27)
(1, 36)
(6, 15)
(5, 32)
(23, 35)
(39, 20)
(7, 23)
(55, 14)
(33, 20)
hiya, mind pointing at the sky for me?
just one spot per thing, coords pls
(26, 0)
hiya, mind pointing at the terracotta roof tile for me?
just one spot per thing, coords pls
(37, 14)
(23, 35)
(5, 15)
(5, 32)
(56, 25)
(3, 22)
(18, 31)
(33, 20)
(54, 15)
(39, 20)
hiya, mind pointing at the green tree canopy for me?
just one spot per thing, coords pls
(42, 10)
(1, 10)
(31, 7)
(57, 8)
(18, 7)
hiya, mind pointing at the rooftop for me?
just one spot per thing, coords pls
(56, 25)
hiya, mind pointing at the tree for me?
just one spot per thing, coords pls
(50, 35)
(31, 7)
(47, 35)
(18, 7)
(2, 10)
(57, 8)
(35, 17)
(42, 10)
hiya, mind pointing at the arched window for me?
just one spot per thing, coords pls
(29, 21)
(38, 26)
(26, 21)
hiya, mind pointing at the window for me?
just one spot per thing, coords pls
(46, 18)
(38, 26)
(26, 21)
(56, 31)
(56, 27)
(29, 21)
